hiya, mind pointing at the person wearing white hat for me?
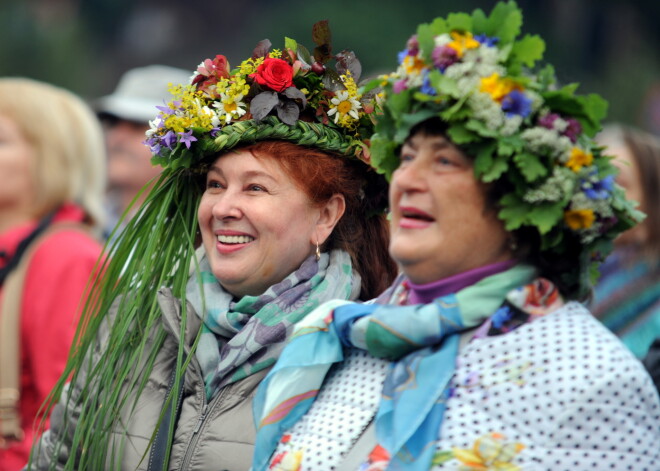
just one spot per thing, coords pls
(125, 114)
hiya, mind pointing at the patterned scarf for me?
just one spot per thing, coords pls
(242, 337)
(422, 342)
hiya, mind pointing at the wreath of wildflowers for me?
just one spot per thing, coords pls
(523, 131)
(287, 94)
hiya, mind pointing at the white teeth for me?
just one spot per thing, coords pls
(234, 239)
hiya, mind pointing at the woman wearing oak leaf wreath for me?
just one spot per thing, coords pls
(480, 356)
(266, 161)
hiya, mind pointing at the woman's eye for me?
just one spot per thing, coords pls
(213, 184)
(406, 157)
(256, 188)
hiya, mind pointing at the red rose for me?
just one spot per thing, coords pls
(276, 74)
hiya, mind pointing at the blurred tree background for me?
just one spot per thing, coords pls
(611, 47)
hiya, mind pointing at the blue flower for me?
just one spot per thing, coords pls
(426, 84)
(501, 316)
(402, 55)
(597, 189)
(187, 138)
(516, 103)
(483, 39)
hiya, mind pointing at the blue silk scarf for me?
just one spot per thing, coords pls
(422, 342)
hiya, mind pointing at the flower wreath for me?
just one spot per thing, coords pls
(524, 133)
(288, 94)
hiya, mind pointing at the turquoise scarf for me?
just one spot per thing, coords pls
(422, 342)
(241, 337)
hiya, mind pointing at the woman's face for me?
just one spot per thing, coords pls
(257, 226)
(440, 222)
(16, 169)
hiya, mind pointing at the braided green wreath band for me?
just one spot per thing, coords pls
(246, 132)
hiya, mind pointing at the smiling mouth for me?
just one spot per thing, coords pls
(235, 239)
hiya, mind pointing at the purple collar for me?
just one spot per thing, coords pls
(426, 293)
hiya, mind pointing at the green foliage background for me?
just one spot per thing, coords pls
(611, 47)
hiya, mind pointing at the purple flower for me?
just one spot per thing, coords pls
(187, 138)
(152, 143)
(214, 132)
(573, 127)
(548, 120)
(573, 130)
(488, 41)
(413, 45)
(597, 189)
(516, 103)
(426, 84)
(399, 86)
(169, 139)
(444, 56)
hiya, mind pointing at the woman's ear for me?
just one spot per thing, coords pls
(330, 214)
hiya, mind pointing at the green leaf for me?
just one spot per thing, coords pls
(425, 39)
(514, 212)
(480, 22)
(483, 159)
(546, 77)
(459, 22)
(530, 166)
(290, 44)
(445, 85)
(529, 50)
(545, 216)
(500, 165)
(480, 128)
(439, 26)
(460, 135)
(383, 154)
(505, 22)
(409, 120)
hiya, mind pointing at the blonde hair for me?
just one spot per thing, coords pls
(70, 157)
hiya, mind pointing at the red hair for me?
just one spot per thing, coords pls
(364, 236)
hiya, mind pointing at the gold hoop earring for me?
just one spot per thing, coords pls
(318, 251)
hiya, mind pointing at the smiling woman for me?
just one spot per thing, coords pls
(289, 216)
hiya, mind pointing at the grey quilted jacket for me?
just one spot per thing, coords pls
(209, 436)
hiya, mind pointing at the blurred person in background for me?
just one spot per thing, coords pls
(627, 296)
(52, 178)
(125, 114)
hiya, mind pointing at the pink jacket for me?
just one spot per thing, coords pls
(54, 284)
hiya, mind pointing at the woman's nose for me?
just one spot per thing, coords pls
(226, 206)
(410, 177)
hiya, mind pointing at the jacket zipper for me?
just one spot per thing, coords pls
(192, 444)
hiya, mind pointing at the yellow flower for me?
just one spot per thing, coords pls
(579, 218)
(413, 65)
(462, 41)
(579, 159)
(498, 87)
(489, 452)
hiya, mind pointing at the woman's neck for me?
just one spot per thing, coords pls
(426, 293)
(11, 219)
